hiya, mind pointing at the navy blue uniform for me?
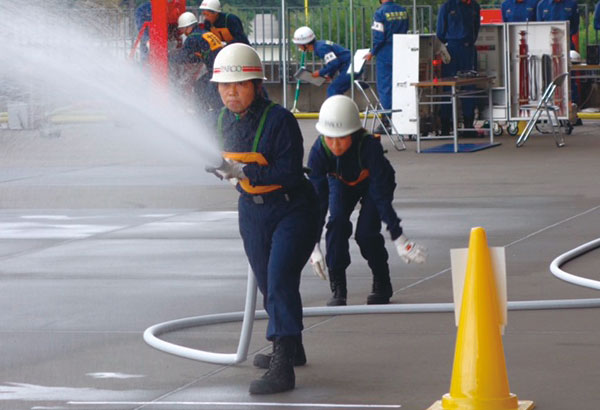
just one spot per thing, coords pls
(362, 174)
(389, 19)
(519, 10)
(279, 226)
(564, 10)
(202, 46)
(337, 59)
(228, 27)
(458, 27)
(597, 17)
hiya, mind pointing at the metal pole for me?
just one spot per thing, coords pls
(415, 17)
(284, 55)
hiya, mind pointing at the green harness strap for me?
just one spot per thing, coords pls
(259, 130)
(360, 141)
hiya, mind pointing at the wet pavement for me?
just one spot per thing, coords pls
(104, 233)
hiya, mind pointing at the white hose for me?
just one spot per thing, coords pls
(565, 257)
(151, 335)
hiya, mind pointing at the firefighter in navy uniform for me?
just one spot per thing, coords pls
(347, 167)
(200, 46)
(228, 27)
(560, 10)
(278, 210)
(514, 11)
(389, 19)
(336, 57)
(458, 27)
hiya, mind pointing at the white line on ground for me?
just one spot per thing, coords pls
(231, 403)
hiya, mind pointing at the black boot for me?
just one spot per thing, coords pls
(280, 377)
(262, 361)
(381, 294)
(468, 123)
(446, 127)
(383, 127)
(338, 287)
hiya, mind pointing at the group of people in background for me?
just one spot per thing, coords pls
(193, 58)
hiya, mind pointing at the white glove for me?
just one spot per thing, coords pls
(446, 58)
(317, 262)
(229, 169)
(232, 169)
(410, 251)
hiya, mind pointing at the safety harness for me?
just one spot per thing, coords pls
(249, 157)
(364, 173)
(223, 32)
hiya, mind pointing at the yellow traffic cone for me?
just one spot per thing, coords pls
(479, 379)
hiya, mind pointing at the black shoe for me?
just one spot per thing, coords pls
(446, 128)
(338, 288)
(262, 361)
(338, 298)
(380, 130)
(468, 123)
(381, 293)
(280, 377)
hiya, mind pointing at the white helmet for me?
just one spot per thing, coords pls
(575, 57)
(186, 19)
(338, 117)
(237, 62)
(303, 35)
(211, 5)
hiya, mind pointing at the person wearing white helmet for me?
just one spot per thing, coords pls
(227, 26)
(337, 59)
(278, 211)
(347, 167)
(199, 49)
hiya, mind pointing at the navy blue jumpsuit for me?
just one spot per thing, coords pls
(202, 46)
(362, 174)
(228, 27)
(563, 10)
(337, 58)
(458, 27)
(278, 210)
(389, 19)
(519, 10)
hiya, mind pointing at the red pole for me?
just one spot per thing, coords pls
(523, 69)
(158, 57)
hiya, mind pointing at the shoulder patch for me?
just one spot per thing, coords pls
(377, 26)
(329, 57)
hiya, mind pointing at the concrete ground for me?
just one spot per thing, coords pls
(104, 232)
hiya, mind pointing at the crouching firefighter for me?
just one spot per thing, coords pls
(199, 50)
(278, 210)
(348, 166)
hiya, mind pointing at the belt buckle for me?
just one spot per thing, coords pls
(258, 199)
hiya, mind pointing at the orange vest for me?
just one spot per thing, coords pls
(364, 173)
(251, 157)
